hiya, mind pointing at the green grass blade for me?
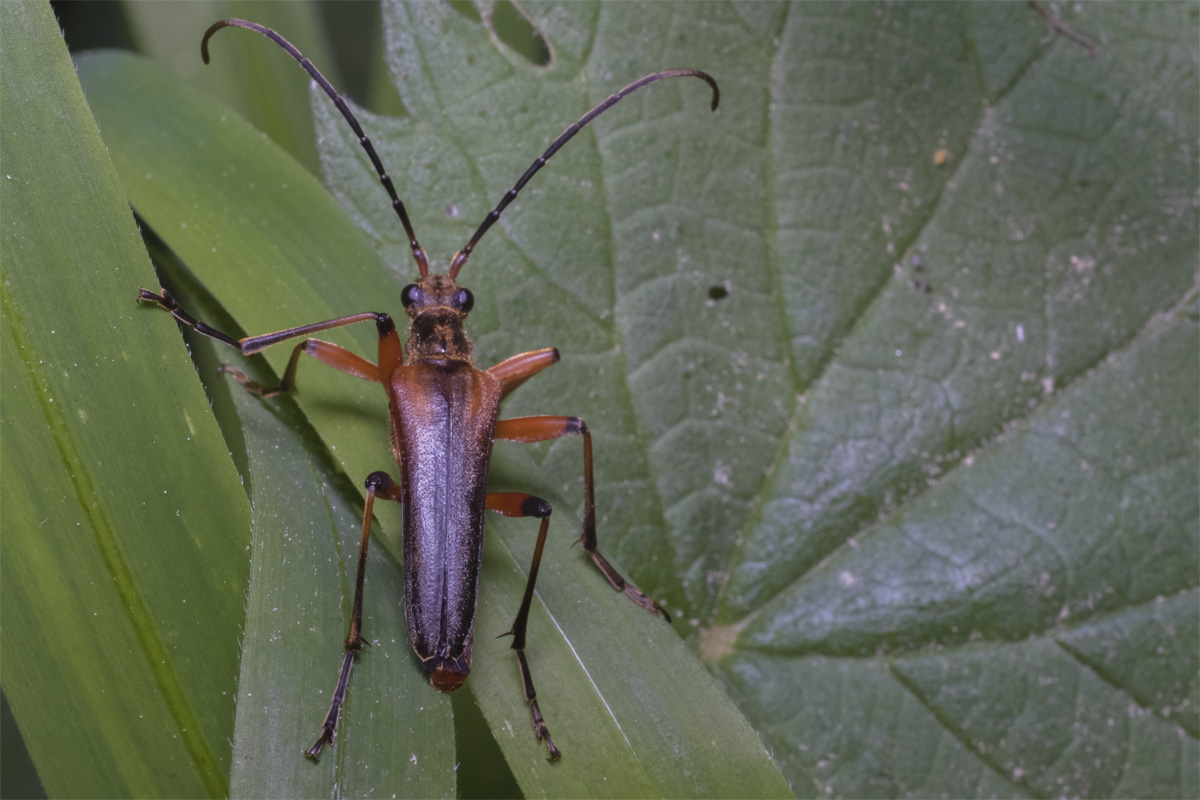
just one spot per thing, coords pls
(271, 262)
(124, 523)
(394, 730)
(793, 322)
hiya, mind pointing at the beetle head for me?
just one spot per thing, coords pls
(433, 293)
(437, 305)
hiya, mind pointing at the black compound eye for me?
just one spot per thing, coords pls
(466, 300)
(409, 295)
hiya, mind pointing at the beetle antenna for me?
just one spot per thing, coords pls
(460, 258)
(418, 252)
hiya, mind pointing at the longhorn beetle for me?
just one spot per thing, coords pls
(443, 412)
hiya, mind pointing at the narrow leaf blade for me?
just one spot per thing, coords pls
(124, 522)
(203, 179)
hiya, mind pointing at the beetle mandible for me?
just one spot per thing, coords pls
(444, 414)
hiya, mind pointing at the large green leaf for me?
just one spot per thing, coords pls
(867, 417)
(124, 524)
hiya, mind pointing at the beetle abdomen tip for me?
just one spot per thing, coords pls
(447, 680)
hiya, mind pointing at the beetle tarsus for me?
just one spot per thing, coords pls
(329, 726)
(314, 752)
(160, 297)
(637, 596)
(542, 732)
(621, 585)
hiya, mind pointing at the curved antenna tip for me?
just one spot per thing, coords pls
(225, 23)
(681, 72)
(418, 253)
(716, 90)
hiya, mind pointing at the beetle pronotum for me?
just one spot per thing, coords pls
(444, 418)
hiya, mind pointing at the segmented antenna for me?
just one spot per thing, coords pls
(460, 258)
(418, 252)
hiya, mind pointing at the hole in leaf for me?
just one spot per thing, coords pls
(514, 29)
(717, 292)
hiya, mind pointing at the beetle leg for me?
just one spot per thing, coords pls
(337, 357)
(512, 372)
(517, 504)
(378, 484)
(540, 429)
